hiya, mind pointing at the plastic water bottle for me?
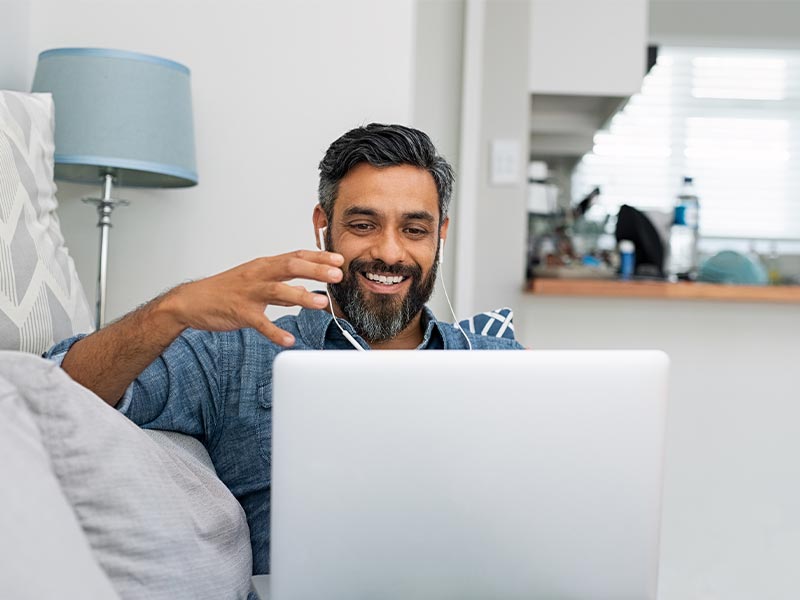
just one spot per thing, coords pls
(683, 234)
(627, 258)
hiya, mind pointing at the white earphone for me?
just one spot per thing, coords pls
(345, 333)
(447, 297)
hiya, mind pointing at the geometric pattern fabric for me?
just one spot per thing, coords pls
(41, 299)
(494, 323)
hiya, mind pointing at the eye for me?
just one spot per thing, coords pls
(361, 227)
(416, 231)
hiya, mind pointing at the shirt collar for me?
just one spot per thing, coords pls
(318, 329)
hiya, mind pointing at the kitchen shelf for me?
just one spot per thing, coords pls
(662, 290)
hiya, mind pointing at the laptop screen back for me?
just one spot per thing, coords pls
(490, 474)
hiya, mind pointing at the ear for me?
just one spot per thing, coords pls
(443, 228)
(320, 221)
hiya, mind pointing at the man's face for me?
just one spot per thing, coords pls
(386, 225)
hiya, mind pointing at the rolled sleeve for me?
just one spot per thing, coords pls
(57, 353)
(59, 350)
(57, 358)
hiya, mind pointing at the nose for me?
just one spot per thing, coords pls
(389, 248)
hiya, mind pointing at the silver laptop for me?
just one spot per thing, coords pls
(487, 474)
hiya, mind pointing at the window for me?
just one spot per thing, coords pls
(728, 118)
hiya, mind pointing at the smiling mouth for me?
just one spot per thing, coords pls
(385, 280)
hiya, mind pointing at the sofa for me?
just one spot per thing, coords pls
(91, 506)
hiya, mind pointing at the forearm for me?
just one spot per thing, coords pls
(107, 361)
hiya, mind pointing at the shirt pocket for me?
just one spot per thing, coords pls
(264, 420)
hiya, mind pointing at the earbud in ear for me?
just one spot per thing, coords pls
(450, 304)
(321, 238)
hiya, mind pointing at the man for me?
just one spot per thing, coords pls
(198, 359)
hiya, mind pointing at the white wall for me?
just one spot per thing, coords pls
(502, 218)
(497, 225)
(274, 82)
(14, 44)
(439, 53)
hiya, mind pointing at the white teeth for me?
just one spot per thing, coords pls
(384, 279)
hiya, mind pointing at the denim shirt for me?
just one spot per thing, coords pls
(217, 387)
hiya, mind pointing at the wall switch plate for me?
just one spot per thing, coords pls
(505, 160)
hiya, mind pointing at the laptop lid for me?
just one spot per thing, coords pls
(487, 474)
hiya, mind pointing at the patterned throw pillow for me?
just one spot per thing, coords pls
(41, 299)
(494, 323)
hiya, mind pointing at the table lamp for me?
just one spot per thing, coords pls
(122, 118)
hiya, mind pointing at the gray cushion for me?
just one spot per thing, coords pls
(159, 521)
(43, 551)
(41, 299)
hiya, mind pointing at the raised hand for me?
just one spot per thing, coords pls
(238, 297)
(107, 361)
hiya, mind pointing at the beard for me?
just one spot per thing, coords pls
(380, 317)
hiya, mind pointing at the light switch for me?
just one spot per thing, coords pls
(505, 161)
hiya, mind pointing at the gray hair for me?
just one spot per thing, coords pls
(383, 146)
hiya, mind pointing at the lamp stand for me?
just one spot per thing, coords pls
(105, 206)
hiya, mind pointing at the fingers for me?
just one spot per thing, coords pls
(328, 258)
(296, 295)
(305, 264)
(333, 258)
(286, 295)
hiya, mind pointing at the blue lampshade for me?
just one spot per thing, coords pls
(120, 112)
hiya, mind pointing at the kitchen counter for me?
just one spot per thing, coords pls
(663, 290)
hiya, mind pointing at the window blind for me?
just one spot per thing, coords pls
(729, 118)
